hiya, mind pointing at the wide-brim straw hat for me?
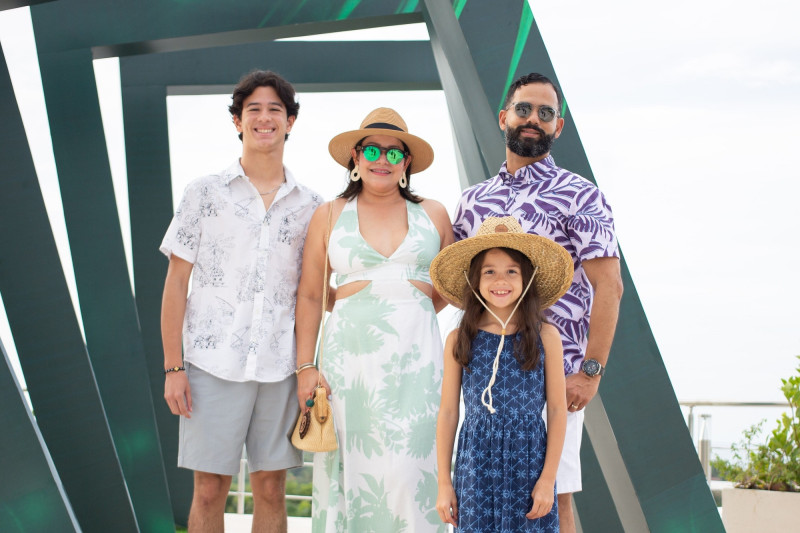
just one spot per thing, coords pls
(553, 277)
(382, 121)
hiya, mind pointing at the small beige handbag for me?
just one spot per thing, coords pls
(314, 431)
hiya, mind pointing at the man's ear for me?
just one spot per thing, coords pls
(501, 119)
(290, 123)
(559, 127)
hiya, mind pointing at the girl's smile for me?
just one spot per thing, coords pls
(501, 280)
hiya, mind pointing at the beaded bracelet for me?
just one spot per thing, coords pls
(174, 369)
(303, 367)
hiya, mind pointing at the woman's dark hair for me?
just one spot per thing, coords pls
(528, 317)
(354, 187)
(263, 78)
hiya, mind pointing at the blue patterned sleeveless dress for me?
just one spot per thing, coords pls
(383, 360)
(500, 456)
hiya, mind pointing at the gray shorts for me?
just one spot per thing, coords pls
(228, 414)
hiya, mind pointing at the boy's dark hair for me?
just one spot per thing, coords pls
(534, 77)
(528, 317)
(354, 187)
(263, 78)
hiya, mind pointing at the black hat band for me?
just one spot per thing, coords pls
(383, 126)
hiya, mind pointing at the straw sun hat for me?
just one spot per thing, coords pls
(554, 263)
(382, 121)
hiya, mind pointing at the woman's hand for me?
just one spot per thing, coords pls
(543, 494)
(306, 383)
(447, 506)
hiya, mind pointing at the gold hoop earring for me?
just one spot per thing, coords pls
(354, 175)
(403, 181)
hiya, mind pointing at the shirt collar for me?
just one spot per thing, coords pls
(236, 171)
(528, 174)
(232, 172)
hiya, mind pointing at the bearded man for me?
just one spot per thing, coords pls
(552, 202)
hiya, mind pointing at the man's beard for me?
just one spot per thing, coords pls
(528, 147)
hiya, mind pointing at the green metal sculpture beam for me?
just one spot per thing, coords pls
(150, 197)
(474, 121)
(98, 258)
(35, 500)
(59, 376)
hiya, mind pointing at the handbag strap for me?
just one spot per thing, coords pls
(324, 298)
(321, 410)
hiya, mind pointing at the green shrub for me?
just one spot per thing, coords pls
(773, 464)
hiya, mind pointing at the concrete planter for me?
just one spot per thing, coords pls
(749, 510)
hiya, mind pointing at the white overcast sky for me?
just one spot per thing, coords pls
(688, 112)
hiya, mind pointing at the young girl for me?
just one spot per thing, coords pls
(507, 362)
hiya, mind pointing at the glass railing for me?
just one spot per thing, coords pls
(701, 430)
(240, 495)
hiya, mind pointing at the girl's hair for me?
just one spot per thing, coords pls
(354, 187)
(528, 316)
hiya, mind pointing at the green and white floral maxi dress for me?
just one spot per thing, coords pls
(383, 360)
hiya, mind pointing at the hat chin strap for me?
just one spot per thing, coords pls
(496, 363)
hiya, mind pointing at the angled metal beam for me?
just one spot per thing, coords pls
(13, 4)
(106, 24)
(58, 373)
(653, 441)
(32, 498)
(106, 299)
(150, 197)
(517, 48)
(474, 120)
(616, 474)
(304, 63)
(230, 38)
(591, 515)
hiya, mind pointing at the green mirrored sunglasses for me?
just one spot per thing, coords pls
(373, 153)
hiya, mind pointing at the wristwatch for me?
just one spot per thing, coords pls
(592, 368)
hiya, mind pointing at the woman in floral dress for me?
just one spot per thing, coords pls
(382, 356)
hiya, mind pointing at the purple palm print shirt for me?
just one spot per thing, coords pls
(562, 206)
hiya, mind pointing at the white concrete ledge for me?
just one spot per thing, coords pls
(242, 523)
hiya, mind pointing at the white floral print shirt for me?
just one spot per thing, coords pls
(239, 322)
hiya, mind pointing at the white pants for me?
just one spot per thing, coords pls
(568, 477)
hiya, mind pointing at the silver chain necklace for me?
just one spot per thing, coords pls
(271, 190)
